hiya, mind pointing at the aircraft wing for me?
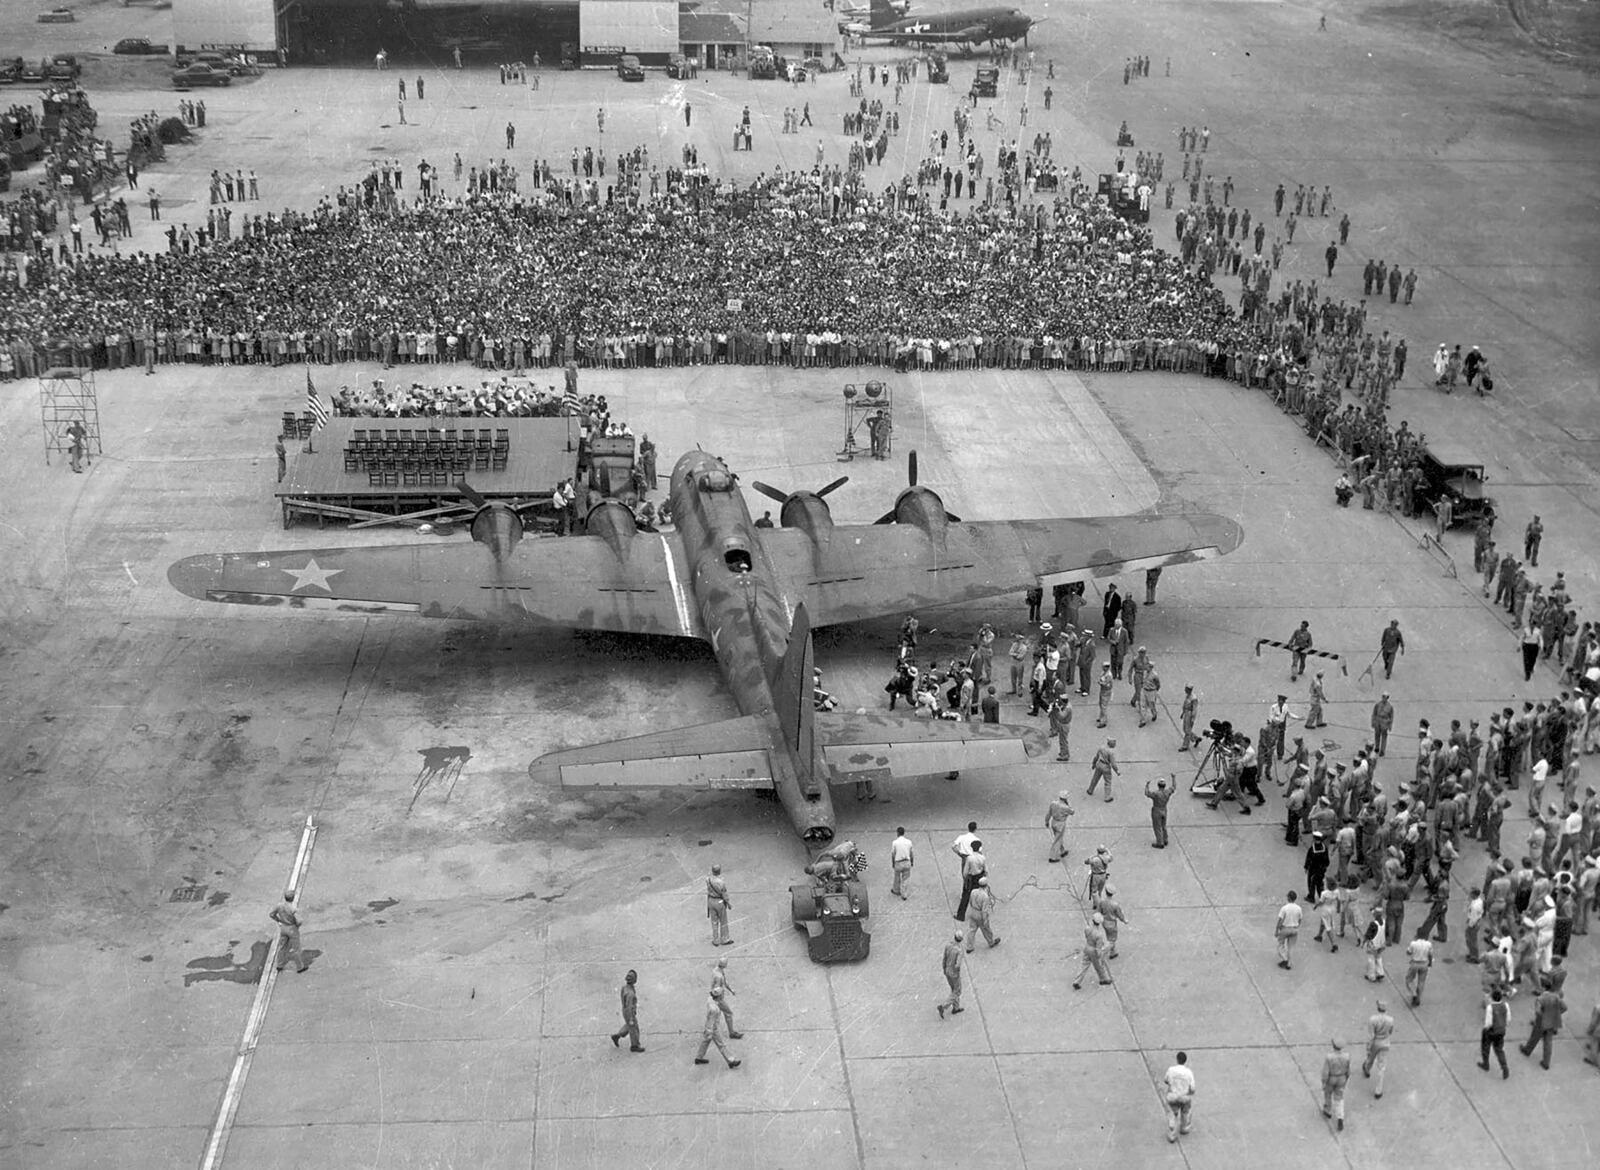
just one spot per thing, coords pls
(871, 570)
(729, 754)
(575, 582)
(877, 745)
(972, 34)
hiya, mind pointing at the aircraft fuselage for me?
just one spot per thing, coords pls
(748, 621)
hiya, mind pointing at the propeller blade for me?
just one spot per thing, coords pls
(769, 491)
(838, 483)
(913, 463)
(472, 495)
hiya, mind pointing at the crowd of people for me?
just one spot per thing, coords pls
(695, 271)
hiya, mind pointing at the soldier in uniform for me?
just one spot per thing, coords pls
(1094, 953)
(1382, 723)
(951, 965)
(979, 907)
(1380, 1033)
(1191, 709)
(1111, 915)
(1299, 644)
(288, 933)
(1314, 717)
(711, 1032)
(1106, 680)
(720, 991)
(1061, 725)
(1055, 820)
(1104, 767)
(1335, 1076)
(717, 907)
(630, 1014)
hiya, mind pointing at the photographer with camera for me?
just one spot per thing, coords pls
(1225, 747)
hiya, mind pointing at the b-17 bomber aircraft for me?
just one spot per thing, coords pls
(965, 27)
(753, 593)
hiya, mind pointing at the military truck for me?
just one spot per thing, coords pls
(831, 907)
(986, 83)
(763, 63)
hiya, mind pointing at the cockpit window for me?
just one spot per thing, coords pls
(737, 559)
(716, 481)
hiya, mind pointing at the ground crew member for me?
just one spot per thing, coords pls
(1382, 722)
(1106, 679)
(978, 910)
(1055, 820)
(1094, 953)
(1104, 767)
(1111, 915)
(1319, 696)
(283, 457)
(901, 859)
(1419, 959)
(720, 991)
(1496, 1015)
(1061, 726)
(717, 907)
(1159, 796)
(1099, 870)
(630, 1014)
(952, 976)
(288, 933)
(1299, 644)
(1391, 642)
(1380, 1032)
(1335, 1076)
(711, 1032)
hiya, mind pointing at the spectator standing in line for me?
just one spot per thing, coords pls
(630, 1014)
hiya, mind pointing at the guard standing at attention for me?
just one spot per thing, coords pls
(717, 907)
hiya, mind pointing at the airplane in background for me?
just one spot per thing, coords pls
(854, 17)
(753, 593)
(966, 27)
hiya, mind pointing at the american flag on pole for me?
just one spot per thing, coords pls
(314, 404)
(569, 400)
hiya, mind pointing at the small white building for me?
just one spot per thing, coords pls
(795, 30)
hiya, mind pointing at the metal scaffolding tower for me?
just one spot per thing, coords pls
(67, 394)
(862, 407)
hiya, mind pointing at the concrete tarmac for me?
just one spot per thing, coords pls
(468, 930)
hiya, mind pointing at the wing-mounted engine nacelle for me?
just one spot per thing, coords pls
(499, 526)
(810, 513)
(613, 522)
(923, 508)
(805, 509)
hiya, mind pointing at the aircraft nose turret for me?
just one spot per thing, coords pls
(198, 577)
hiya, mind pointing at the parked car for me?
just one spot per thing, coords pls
(987, 82)
(11, 70)
(200, 74)
(58, 16)
(678, 66)
(64, 67)
(629, 69)
(137, 47)
(1457, 473)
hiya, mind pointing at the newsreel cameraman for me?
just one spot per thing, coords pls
(1226, 755)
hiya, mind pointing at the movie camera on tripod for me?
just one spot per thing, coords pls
(1223, 752)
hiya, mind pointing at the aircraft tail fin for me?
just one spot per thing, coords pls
(793, 693)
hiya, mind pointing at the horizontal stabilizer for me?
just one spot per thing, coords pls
(878, 746)
(731, 754)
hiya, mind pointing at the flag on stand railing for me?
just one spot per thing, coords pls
(569, 400)
(314, 404)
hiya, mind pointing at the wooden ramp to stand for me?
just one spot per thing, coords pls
(364, 469)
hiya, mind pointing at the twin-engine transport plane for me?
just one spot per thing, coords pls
(753, 593)
(965, 27)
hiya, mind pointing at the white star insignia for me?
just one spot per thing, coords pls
(312, 574)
